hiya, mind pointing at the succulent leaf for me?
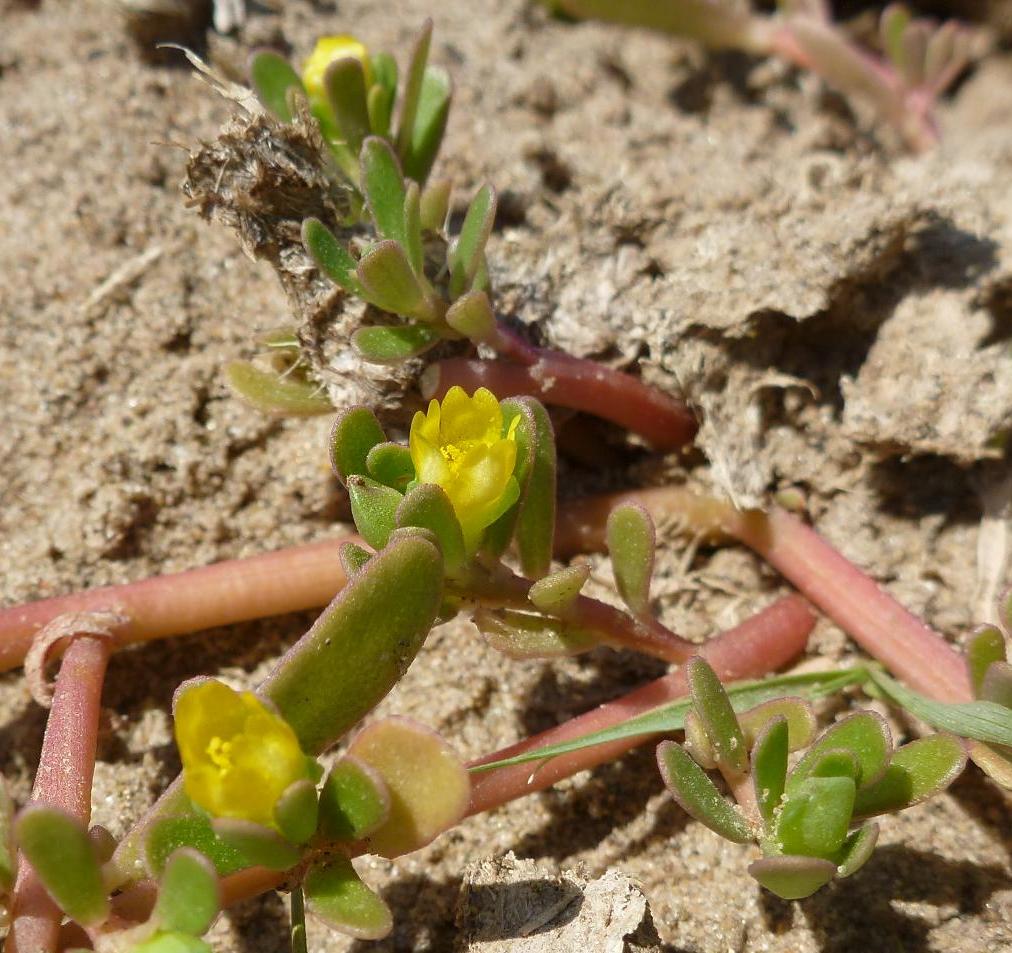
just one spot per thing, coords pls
(336, 894)
(769, 767)
(259, 846)
(393, 343)
(792, 878)
(428, 506)
(801, 721)
(389, 282)
(816, 816)
(857, 850)
(521, 635)
(273, 79)
(697, 794)
(465, 252)
(57, 846)
(918, 770)
(344, 82)
(374, 509)
(413, 90)
(356, 431)
(557, 592)
(631, 542)
(331, 257)
(864, 734)
(985, 646)
(714, 709)
(428, 785)
(390, 464)
(296, 811)
(271, 393)
(384, 187)
(188, 895)
(354, 801)
(429, 124)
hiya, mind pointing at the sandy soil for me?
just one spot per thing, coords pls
(841, 314)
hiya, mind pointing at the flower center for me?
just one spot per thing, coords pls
(220, 753)
(453, 453)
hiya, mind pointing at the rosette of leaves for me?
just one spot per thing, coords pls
(809, 819)
(395, 787)
(360, 94)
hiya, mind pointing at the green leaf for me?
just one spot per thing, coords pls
(393, 343)
(188, 895)
(769, 767)
(273, 79)
(7, 855)
(465, 251)
(918, 770)
(434, 205)
(260, 846)
(672, 717)
(388, 281)
(353, 558)
(801, 721)
(535, 472)
(344, 83)
(471, 315)
(697, 794)
(995, 761)
(384, 187)
(374, 509)
(184, 827)
(297, 921)
(361, 645)
(428, 785)
(835, 763)
(382, 93)
(429, 125)
(272, 394)
(521, 635)
(892, 26)
(714, 709)
(697, 742)
(331, 257)
(356, 431)
(984, 647)
(390, 464)
(428, 506)
(296, 811)
(979, 720)
(413, 229)
(997, 685)
(557, 592)
(631, 541)
(864, 734)
(336, 895)
(816, 816)
(792, 878)
(353, 803)
(857, 850)
(413, 90)
(57, 846)
(171, 943)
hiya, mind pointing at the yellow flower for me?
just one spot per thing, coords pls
(460, 445)
(328, 49)
(238, 755)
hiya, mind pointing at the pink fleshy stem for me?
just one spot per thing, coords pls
(66, 768)
(761, 644)
(852, 599)
(237, 590)
(664, 422)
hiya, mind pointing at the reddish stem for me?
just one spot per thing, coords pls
(66, 768)
(767, 641)
(288, 580)
(761, 644)
(851, 598)
(583, 385)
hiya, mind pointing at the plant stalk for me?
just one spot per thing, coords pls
(63, 780)
(237, 590)
(852, 599)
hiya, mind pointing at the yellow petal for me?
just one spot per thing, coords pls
(328, 49)
(430, 464)
(468, 419)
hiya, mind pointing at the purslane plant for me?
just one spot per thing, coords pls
(919, 59)
(428, 293)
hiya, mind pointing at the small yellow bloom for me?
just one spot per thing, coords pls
(238, 755)
(460, 445)
(328, 49)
